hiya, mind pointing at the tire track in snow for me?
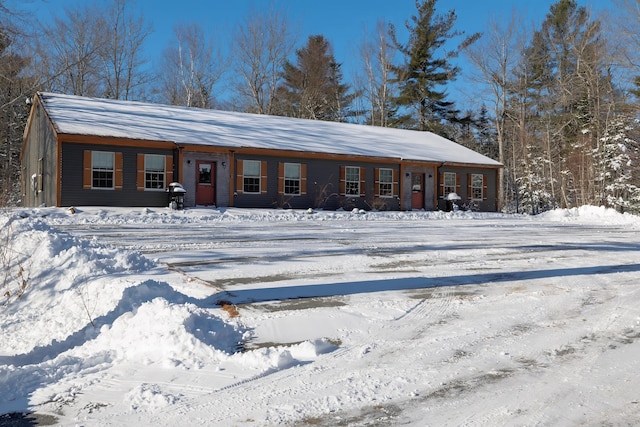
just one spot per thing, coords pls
(276, 384)
(583, 351)
(273, 385)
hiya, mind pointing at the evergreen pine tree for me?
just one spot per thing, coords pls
(313, 88)
(427, 69)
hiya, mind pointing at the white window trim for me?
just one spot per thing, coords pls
(113, 170)
(299, 179)
(445, 186)
(164, 173)
(481, 187)
(347, 181)
(380, 182)
(259, 176)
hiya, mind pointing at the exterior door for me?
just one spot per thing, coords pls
(205, 183)
(417, 191)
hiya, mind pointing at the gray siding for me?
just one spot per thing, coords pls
(40, 144)
(489, 202)
(323, 187)
(429, 186)
(40, 160)
(73, 193)
(190, 178)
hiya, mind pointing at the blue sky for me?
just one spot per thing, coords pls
(343, 22)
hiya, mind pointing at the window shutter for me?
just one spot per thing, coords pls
(280, 178)
(343, 185)
(484, 187)
(362, 179)
(86, 173)
(458, 184)
(263, 177)
(118, 171)
(376, 182)
(168, 170)
(442, 185)
(140, 172)
(396, 186)
(239, 177)
(469, 189)
(303, 178)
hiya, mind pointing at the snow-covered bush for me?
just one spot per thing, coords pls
(618, 159)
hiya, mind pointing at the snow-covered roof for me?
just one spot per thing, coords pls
(77, 115)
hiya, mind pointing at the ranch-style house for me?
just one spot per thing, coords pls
(81, 151)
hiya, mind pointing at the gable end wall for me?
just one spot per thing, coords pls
(39, 162)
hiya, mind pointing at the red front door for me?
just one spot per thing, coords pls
(417, 191)
(205, 183)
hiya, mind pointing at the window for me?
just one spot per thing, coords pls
(154, 172)
(477, 186)
(251, 176)
(204, 173)
(385, 182)
(449, 183)
(352, 180)
(292, 178)
(102, 169)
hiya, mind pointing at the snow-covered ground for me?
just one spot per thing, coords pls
(153, 317)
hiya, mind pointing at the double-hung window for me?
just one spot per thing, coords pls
(385, 182)
(251, 176)
(154, 172)
(352, 180)
(102, 169)
(477, 185)
(449, 184)
(292, 178)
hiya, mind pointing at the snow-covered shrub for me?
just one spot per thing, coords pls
(618, 158)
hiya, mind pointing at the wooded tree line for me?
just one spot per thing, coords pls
(556, 103)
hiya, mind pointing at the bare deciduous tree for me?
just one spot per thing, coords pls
(191, 68)
(91, 50)
(376, 58)
(261, 47)
(121, 52)
(494, 56)
(68, 52)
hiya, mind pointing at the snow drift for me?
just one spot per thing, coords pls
(114, 317)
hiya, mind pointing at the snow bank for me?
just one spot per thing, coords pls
(108, 332)
(598, 214)
(167, 218)
(74, 308)
(58, 280)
